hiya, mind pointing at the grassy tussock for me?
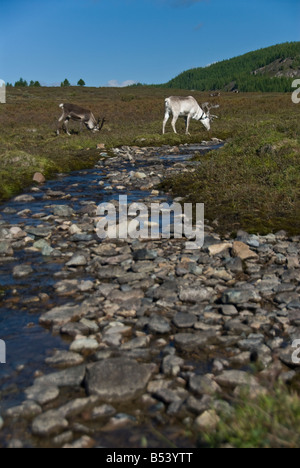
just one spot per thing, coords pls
(268, 421)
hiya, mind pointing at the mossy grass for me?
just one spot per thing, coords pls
(267, 421)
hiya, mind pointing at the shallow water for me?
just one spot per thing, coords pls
(28, 344)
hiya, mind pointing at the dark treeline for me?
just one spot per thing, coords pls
(238, 73)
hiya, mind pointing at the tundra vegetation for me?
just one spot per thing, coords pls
(253, 182)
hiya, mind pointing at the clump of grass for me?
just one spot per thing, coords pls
(269, 421)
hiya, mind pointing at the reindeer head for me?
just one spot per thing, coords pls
(99, 126)
(209, 117)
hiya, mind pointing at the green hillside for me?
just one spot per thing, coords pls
(268, 70)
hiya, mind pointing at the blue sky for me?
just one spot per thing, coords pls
(114, 42)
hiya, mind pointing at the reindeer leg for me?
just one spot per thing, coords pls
(167, 116)
(66, 126)
(60, 120)
(187, 125)
(175, 118)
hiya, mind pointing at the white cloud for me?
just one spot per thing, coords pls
(118, 84)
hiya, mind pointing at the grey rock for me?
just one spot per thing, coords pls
(229, 310)
(44, 247)
(6, 248)
(117, 379)
(103, 411)
(240, 296)
(62, 211)
(197, 295)
(41, 394)
(78, 259)
(77, 406)
(72, 377)
(21, 271)
(49, 424)
(39, 231)
(27, 410)
(24, 199)
(290, 357)
(145, 254)
(171, 365)
(194, 341)
(65, 359)
(235, 378)
(159, 325)
(183, 320)
(203, 385)
(60, 316)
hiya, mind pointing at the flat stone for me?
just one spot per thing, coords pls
(84, 344)
(229, 310)
(159, 325)
(243, 251)
(77, 406)
(49, 424)
(117, 379)
(216, 249)
(184, 320)
(77, 260)
(24, 199)
(240, 296)
(65, 359)
(6, 248)
(235, 378)
(72, 377)
(60, 316)
(21, 271)
(62, 211)
(39, 231)
(27, 410)
(145, 254)
(41, 394)
(196, 295)
(194, 341)
(203, 385)
(44, 247)
(171, 365)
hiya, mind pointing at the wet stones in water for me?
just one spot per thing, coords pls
(62, 211)
(117, 379)
(6, 248)
(77, 260)
(22, 271)
(184, 320)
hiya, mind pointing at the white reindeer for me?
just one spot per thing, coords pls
(188, 108)
(78, 114)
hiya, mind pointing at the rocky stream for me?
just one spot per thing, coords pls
(130, 343)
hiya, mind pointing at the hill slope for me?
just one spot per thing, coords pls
(269, 69)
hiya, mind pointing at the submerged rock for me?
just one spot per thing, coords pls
(117, 379)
